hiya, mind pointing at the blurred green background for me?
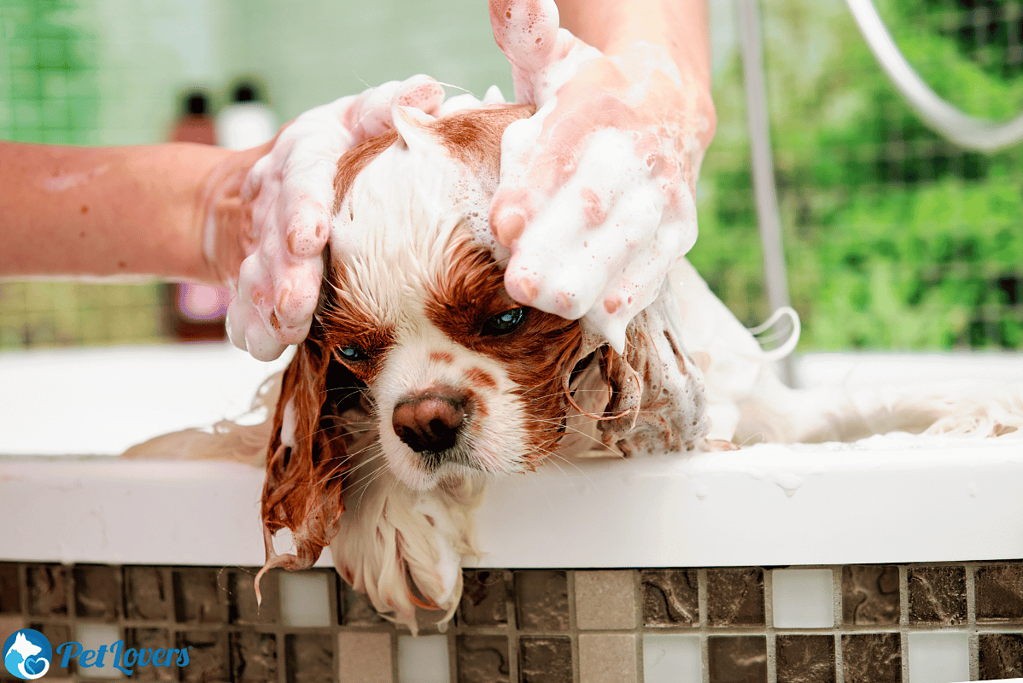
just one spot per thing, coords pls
(894, 238)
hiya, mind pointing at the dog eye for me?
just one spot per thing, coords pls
(351, 353)
(504, 323)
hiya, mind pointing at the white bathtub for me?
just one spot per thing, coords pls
(763, 505)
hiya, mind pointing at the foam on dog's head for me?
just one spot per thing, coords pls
(426, 173)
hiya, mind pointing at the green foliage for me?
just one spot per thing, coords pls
(894, 237)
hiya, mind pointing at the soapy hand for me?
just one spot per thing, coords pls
(268, 213)
(596, 190)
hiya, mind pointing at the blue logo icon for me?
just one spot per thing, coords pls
(27, 654)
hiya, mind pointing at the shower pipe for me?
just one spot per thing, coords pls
(765, 192)
(966, 131)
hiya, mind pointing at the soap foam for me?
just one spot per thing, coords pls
(619, 159)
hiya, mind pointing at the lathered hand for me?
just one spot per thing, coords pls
(267, 228)
(596, 191)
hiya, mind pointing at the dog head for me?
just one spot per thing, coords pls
(417, 354)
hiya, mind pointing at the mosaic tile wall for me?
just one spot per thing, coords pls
(875, 624)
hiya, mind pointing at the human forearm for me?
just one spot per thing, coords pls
(106, 212)
(680, 26)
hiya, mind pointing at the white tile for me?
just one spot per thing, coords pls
(305, 599)
(423, 659)
(939, 657)
(669, 658)
(803, 598)
(93, 637)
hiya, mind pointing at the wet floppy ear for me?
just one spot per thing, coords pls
(656, 389)
(305, 461)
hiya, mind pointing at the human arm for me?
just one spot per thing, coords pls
(596, 193)
(106, 211)
(255, 220)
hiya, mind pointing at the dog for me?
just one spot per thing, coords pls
(421, 377)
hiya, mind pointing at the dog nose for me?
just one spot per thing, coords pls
(430, 421)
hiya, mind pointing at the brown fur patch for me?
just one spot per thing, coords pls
(480, 378)
(442, 357)
(538, 356)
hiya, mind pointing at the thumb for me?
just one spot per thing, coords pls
(526, 31)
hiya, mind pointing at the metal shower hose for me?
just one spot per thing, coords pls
(966, 131)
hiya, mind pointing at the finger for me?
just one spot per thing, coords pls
(526, 31)
(555, 266)
(246, 326)
(308, 229)
(296, 300)
(421, 92)
(516, 201)
(254, 178)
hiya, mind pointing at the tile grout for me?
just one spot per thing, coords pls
(229, 625)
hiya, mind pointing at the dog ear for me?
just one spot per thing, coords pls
(657, 399)
(307, 455)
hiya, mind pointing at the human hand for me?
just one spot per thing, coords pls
(268, 213)
(596, 191)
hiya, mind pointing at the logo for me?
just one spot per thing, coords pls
(27, 654)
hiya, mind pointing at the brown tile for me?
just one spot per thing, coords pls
(805, 659)
(605, 600)
(608, 658)
(541, 599)
(737, 659)
(545, 659)
(197, 596)
(309, 658)
(670, 597)
(9, 623)
(1000, 593)
(354, 608)
(364, 657)
(870, 595)
(872, 657)
(253, 657)
(47, 590)
(97, 591)
(208, 656)
(482, 659)
(241, 598)
(10, 588)
(149, 638)
(1001, 655)
(485, 595)
(735, 597)
(937, 595)
(145, 594)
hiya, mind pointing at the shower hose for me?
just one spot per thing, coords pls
(964, 130)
